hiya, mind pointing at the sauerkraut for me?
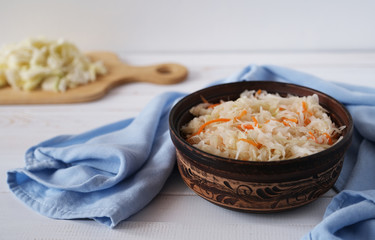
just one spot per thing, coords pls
(53, 65)
(261, 126)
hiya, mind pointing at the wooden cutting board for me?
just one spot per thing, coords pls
(118, 73)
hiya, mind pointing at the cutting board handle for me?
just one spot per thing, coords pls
(166, 73)
(119, 72)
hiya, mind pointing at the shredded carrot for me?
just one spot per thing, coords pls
(239, 126)
(257, 145)
(281, 109)
(292, 120)
(304, 106)
(255, 121)
(269, 120)
(209, 122)
(240, 115)
(285, 121)
(247, 126)
(214, 105)
(312, 136)
(203, 99)
(259, 91)
(307, 121)
(329, 138)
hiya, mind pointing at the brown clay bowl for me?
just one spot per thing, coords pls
(258, 186)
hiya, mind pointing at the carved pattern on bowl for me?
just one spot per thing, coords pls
(255, 196)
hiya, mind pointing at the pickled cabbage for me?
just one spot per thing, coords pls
(260, 126)
(52, 65)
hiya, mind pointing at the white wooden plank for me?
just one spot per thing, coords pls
(164, 218)
(82, 229)
(196, 209)
(177, 213)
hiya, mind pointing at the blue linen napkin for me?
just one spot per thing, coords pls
(106, 174)
(112, 172)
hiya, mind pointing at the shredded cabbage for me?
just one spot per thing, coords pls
(48, 64)
(260, 126)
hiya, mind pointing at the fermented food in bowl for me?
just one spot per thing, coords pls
(261, 126)
(258, 186)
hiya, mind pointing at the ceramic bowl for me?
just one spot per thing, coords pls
(258, 186)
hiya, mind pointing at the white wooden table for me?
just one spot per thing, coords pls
(176, 213)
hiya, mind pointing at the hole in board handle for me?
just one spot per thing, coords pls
(163, 70)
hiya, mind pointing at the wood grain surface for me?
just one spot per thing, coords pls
(118, 73)
(177, 212)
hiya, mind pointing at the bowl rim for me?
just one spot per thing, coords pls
(344, 141)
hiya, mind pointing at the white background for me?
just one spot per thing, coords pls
(194, 25)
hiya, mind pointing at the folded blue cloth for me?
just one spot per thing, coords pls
(112, 172)
(106, 174)
(350, 215)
